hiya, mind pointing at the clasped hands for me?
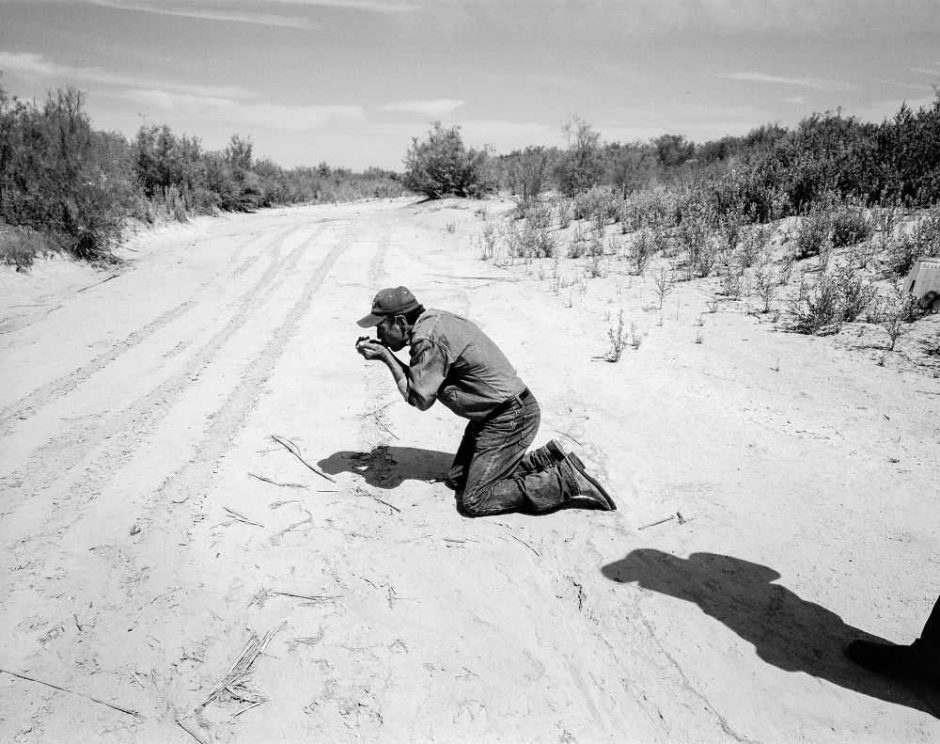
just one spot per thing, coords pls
(370, 349)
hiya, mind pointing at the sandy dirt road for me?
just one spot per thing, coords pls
(151, 528)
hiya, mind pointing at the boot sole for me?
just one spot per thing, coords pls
(579, 466)
(555, 449)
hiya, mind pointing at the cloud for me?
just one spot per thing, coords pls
(436, 107)
(804, 82)
(244, 114)
(36, 65)
(800, 100)
(210, 14)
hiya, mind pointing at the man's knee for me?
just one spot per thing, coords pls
(472, 503)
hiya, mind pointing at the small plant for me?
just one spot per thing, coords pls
(855, 293)
(641, 250)
(539, 216)
(563, 211)
(813, 234)
(487, 241)
(765, 284)
(755, 246)
(451, 227)
(699, 337)
(817, 309)
(895, 311)
(664, 285)
(849, 225)
(618, 340)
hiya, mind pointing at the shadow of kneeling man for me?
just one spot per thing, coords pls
(787, 631)
(388, 467)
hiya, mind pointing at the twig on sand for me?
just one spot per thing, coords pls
(660, 521)
(383, 426)
(309, 597)
(247, 708)
(295, 451)
(363, 492)
(377, 410)
(677, 516)
(242, 517)
(566, 434)
(189, 731)
(526, 544)
(233, 682)
(275, 483)
(74, 692)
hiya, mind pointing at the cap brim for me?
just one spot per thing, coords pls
(370, 321)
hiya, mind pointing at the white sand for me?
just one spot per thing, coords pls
(133, 412)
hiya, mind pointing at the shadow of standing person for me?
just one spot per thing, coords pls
(786, 631)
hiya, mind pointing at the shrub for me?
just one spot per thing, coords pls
(581, 166)
(440, 165)
(817, 309)
(849, 225)
(813, 234)
(894, 311)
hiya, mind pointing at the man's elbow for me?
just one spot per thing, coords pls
(421, 402)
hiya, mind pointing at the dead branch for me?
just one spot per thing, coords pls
(310, 597)
(242, 517)
(73, 692)
(661, 521)
(239, 671)
(363, 492)
(295, 451)
(275, 483)
(189, 731)
(526, 544)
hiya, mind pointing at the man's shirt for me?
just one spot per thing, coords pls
(454, 362)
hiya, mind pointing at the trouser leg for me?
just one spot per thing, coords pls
(496, 482)
(457, 475)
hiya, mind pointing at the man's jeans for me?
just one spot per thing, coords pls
(492, 472)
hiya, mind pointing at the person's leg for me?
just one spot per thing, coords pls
(457, 475)
(499, 446)
(496, 483)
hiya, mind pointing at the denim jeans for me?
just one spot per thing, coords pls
(492, 473)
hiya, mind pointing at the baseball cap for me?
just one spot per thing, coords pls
(391, 301)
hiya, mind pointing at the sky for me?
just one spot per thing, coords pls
(351, 82)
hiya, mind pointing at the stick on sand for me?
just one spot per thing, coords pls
(295, 451)
(80, 694)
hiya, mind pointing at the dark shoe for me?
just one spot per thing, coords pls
(580, 489)
(555, 450)
(894, 661)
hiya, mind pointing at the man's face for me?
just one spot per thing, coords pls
(391, 332)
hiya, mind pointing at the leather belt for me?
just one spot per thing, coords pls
(501, 408)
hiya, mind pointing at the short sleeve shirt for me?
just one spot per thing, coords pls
(454, 362)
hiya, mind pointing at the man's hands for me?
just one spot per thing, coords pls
(370, 349)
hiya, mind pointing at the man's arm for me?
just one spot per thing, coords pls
(419, 382)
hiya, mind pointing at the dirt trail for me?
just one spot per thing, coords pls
(150, 527)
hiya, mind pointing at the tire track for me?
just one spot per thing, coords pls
(194, 477)
(130, 425)
(30, 404)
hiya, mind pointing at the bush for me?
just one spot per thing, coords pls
(849, 226)
(440, 165)
(813, 234)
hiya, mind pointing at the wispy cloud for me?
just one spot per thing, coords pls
(926, 71)
(435, 107)
(802, 82)
(246, 114)
(200, 12)
(36, 65)
(799, 100)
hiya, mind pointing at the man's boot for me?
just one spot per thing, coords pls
(580, 489)
(543, 457)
